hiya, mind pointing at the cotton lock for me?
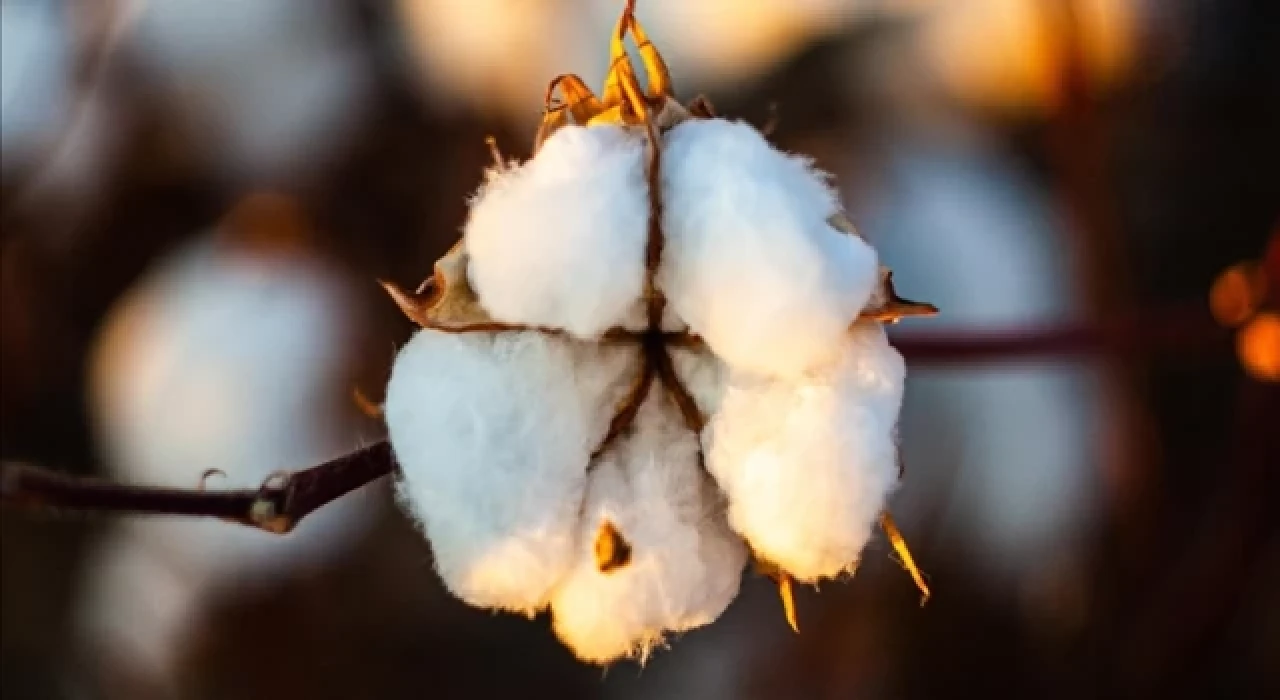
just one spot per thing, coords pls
(656, 354)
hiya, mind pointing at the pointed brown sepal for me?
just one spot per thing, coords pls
(700, 108)
(885, 306)
(447, 302)
(788, 602)
(364, 404)
(612, 551)
(414, 306)
(904, 554)
(785, 582)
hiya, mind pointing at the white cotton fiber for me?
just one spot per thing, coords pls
(807, 464)
(702, 374)
(493, 434)
(750, 262)
(685, 563)
(559, 241)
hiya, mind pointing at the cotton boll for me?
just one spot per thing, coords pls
(685, 564)
(808, 463)
(493, 433)
(751, 263)
(559, 241)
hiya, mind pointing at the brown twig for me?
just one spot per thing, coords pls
(278, 508)
(1188, 332)
(275, 508)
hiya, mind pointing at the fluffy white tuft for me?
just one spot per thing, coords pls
(685, 564)
(750, 262)
(808, 464)
(560, 240)
(493, 434)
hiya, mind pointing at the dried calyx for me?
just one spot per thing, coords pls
(656, 351)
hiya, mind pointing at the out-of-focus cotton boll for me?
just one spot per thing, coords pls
(559, 241)
(267, 88)
(493, 434)
(222, 359)
(808, 464)
(685, 564)
(35, 77)
(751, 262)
(1016, 445)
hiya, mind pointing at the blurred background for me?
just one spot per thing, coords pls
(197, 196)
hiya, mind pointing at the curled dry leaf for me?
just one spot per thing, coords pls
(446, 302)
(609, 423)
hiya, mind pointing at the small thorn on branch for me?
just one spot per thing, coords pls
(277, 506)
(209, 474)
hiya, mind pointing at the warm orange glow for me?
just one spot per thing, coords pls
(1258, 345)
(1008, 54)
(1236, 294)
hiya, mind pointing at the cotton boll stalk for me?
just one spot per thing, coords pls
(808, 463)
(751, 262)
(684, 564)
(559, 241)
(224, 358)
(493, 434)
